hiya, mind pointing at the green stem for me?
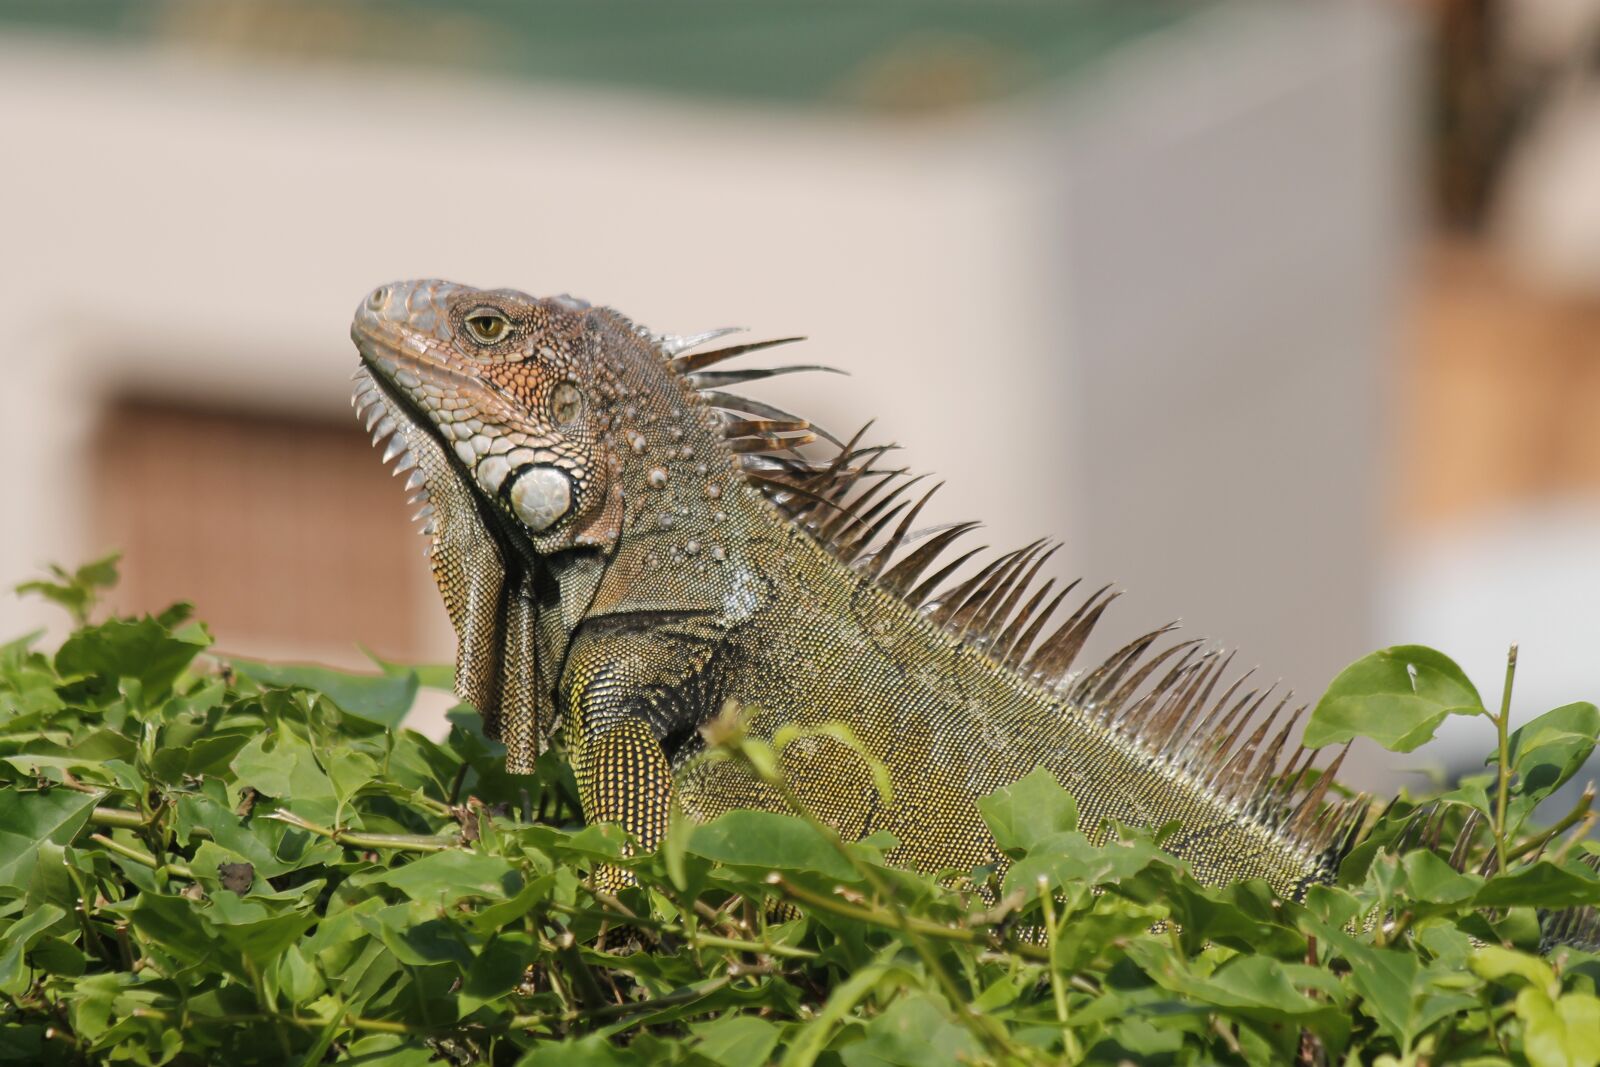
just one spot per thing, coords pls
(258, 983)
(142, 858)
(85, 910)
(1047, 902)
(759, 948)
(1502, 725)
(627, 1007)
(1579, 833)
(879, 917)
(402, 842)
(354, 1022)
(120, 818)
(438, 807)
(123, 819)
(625, 916)
(1057, 991)
(124, 945)
(1569, 820)
(456, 784)
(356, 839)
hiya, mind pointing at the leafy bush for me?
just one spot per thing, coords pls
(204, 862)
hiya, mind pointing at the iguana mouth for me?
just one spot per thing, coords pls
(388, 414)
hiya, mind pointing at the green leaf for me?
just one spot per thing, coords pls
(916, 1031)
(429, 675)
(1495, 963)
(417, 937)
(492, 917)
(18, 938)
(1549, 750)
(272, 848)
(382, 698)
(674, 845)
(1091, 936)
(1024, 813)
(253, 931)
(23, 1043)
(767, 839)
(279, 764)
(350, 772)
(140, 649)
(1563, 1033)
(297, 977)
(78, 590)
(55, 955)
(1433, 882)
(446, 877)
(287, 946)
(496, 972)
(1541, 885)
(1252, 986)
(174, 924)
(736, 1040)
(1066, 859)
(1386, 979)
(28, 820)
(390, 1050)
(209, 755)
(1397, 697)
(592, 1051)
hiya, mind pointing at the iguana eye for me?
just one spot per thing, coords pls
(487, 326)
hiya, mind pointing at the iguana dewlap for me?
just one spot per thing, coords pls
(625, 547)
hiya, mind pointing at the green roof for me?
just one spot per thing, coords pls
(911, 54)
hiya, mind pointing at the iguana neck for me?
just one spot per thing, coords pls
(685, 530)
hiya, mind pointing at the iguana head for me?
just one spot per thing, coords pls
(568, 462)
(511, 389)
(572, 464)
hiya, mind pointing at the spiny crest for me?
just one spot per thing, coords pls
(1579, 927)
(397, 438)
(1168, 698)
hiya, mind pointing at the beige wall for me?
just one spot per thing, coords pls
(1041, 302)
(193, 231)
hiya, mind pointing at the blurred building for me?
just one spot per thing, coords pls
(1139, 275)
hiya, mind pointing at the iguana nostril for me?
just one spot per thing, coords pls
(378, 298)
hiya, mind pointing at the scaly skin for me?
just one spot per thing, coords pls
(609, 559)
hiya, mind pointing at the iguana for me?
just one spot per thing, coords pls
(624, 546)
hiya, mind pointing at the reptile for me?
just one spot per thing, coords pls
(624, 547)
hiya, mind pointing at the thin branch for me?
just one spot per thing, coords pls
(879, 917)
(359, 840)
(144, 859)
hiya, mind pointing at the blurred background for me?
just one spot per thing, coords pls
(1284, 314)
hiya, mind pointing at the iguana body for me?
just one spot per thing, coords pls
(625, 547)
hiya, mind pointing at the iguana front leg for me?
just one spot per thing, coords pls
(624, 778)
(630, 704)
